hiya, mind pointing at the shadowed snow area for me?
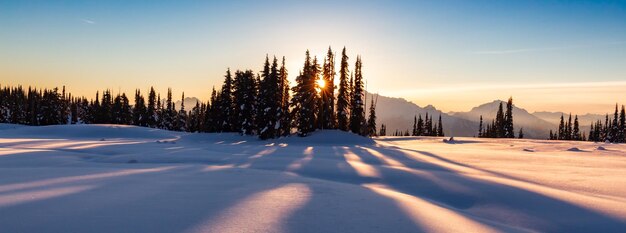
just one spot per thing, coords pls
(111, 178)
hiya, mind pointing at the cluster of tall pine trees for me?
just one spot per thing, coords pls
(249, 103)
(423, 127)
(502, 125)
(568, 130)
(613, 130)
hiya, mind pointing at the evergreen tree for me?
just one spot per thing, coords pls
(194, 120)
(169, 112)
(561, 131)
(568, 128)
(343, 96)
(371, 120)
(520, 134)
(160, 113)
(180, 122)
(428, 126)
(420, 125)
(357, 114)
(576, 130)
(245, 92)
(500, 123)
(139, 109)
(121, 110)
(622, 126)
(615, 128)
(383, 130)
(508, 120)
(227, 116)
(480, 127)
(285, 115)
(106, 106)
(327, 93)
(305, 97)
(440, 127)
(151, 115)
(209, 115)
(269, 101)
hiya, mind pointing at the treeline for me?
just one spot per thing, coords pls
(613, 130)
(250, 103)
(502, 125)
(421, 127)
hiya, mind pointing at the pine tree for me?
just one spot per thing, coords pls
(357, 114)
(305, 98)
(180, 122)
(327, 119)
(440, 127)
(169, 112)
(568, 128)
(615, 128)
(480, 127)
(121, 110)
(622, 126)
(561, 131)
(151, 115)
(520, 134)
(139, 109)
(508, 120)
(500, 123)
(371, 120)
(269, 101)
(245, 92)
(428, 125)
(285, 116)
(105, 107)
(383, 130)
(576, 130)
(194, 120)
(160, 113)
(343, 96)
(227, 117)
(420, 125)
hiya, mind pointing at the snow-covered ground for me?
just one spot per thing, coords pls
(109, 178)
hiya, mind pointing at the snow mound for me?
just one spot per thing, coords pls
(328, 137)
(4, 126)
(576, 149)
(529, 150)
(99, 132)
(600, 148)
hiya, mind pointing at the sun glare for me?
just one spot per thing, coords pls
(321, 83)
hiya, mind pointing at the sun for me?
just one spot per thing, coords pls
(321, 83)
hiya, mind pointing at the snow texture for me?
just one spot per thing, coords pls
(66, 179)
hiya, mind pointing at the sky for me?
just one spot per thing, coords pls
(549, 55)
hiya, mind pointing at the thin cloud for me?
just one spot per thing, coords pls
(87, 21)
(499, 52)
(526, 50)
(486, 87)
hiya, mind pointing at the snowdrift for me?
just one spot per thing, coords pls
(67, 179)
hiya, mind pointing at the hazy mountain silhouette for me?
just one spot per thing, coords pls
(584, 120)
(534, 127)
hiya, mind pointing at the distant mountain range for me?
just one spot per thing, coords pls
(398, 113)
(555, 118)
(190, 102)
(534, 127)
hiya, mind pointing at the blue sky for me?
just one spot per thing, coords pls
(430, 52)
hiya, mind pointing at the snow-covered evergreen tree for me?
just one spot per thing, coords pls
(343, 96)
(357, 113)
